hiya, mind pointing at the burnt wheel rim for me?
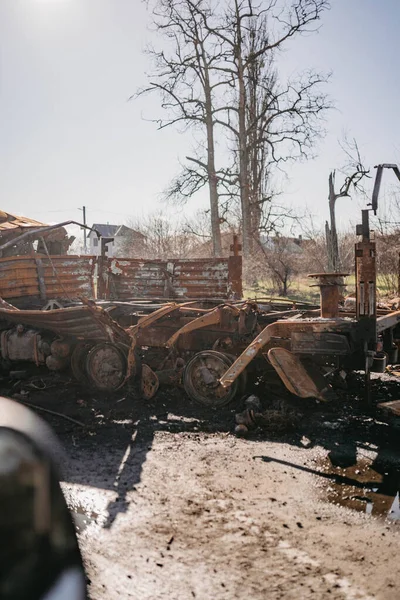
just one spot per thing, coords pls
(106, 367)
(201, 379)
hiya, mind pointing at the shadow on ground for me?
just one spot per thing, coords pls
(109, 451)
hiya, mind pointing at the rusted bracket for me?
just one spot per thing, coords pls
(152, 318)
(214, 317)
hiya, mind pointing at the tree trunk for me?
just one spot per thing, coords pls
(211, 171)
(333, 246)
(243, 151)
(328, 239)
(284, 288)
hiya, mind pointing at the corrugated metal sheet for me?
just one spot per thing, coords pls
(63, 277)
(9, 221)
(68, 322)
(191, 278)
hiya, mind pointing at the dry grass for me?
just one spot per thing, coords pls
(301, 289)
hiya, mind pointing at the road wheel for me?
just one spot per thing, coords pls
(106, 367)
(201, 379)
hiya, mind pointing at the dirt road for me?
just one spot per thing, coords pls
(171, 505)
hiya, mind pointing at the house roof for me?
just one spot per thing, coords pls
(105, 229)
(123, 229)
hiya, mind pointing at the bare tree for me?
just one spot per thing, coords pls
(269, 120)
(387, 234)
(356, 173)
(282, 257)
(220, 78)
(184, 76)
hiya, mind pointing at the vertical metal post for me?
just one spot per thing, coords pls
(365, 259)
(235, 270)
(84, 231)
(83, 209)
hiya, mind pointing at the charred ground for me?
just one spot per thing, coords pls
(169, 503)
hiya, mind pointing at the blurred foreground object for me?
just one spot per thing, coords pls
(39, 552)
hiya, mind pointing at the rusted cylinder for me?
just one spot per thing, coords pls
(61, 348)
(329, 285)
(330, 296)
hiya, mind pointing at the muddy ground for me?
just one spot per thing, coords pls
(170, 504)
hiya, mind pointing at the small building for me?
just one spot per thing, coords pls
(119, 236)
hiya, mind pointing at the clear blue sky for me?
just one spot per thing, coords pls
(68, 136)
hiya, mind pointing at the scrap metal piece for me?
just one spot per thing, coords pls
(106, 366)
(149, 382)
(295, 376)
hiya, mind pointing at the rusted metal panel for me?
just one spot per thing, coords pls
(64, 277)
(319, 343)
(297, 379)
(71, 277)
(201, 278)
(191, 278)
(129, 278)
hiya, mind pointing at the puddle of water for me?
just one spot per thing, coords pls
(369, 488)
(82, 519)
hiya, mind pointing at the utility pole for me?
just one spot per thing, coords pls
(83, 209)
